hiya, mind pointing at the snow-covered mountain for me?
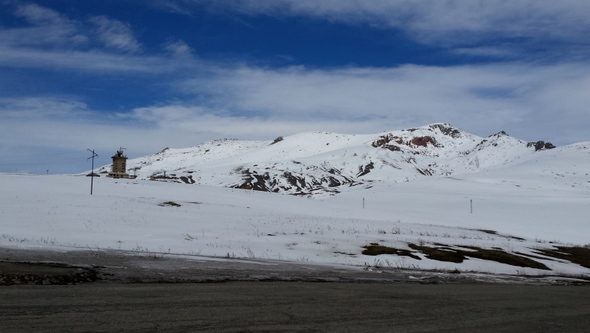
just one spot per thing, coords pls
(496, 205)
(326, 162)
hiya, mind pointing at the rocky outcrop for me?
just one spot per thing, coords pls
(293, 182)
(447, 129)
(386, 142)
(277, 140)
(424, 141)
(365, 169)
(541, 145)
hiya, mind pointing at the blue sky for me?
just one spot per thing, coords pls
(151, 74)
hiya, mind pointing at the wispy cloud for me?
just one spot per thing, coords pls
(39, 15)
(52, 40)
(46, 28)
(115, 34)
(516, 97)
(89, 61)
(38, 107)
(179, 48)
(439, 22)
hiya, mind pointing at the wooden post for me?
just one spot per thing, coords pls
(92, 172)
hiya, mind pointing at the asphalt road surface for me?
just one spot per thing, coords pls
(294, 306)
(97, 291)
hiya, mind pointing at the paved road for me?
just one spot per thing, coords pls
(116, 291)
(294, 306)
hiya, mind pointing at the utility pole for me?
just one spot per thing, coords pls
(92, 172)
(471, 206)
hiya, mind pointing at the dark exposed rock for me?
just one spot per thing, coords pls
(164, 177)
(169, 204)
(540, 145)
(425, 172)
(423, 141)
(294, 183)
(383, 140)
(392, 147)
(277, 140)
(187, 179)
(298, 182)
(446, 129)
(365, 169)
(499, 134)
(333, 182)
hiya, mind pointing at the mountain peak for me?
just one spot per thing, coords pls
(321, 162)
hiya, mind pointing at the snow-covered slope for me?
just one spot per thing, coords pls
(494, 204)
(425, 224)
(328, 162)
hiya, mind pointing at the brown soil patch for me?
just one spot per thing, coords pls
(576, 254)
(503, 257)
(440, 253)
(375, 249)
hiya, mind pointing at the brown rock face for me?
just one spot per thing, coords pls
(423, 141)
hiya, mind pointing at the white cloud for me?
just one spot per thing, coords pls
(53, 41)
(531, 101)
(115, 34)
(39, 15)
(26, 108)
(505, 52)
(93, 61)
(46, 28)
(432, 21)
(179, 48)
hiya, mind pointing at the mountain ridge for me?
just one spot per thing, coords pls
(321, 162)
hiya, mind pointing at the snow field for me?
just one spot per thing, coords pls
(56, 211)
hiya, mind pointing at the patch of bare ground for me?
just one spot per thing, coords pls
(576, 254)
(503, 257)
(169, 204)
(439, 253)
(494, 232)
(375, 249)
(443, 252)
(17, 273)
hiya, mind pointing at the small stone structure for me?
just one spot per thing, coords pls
(119, 167)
